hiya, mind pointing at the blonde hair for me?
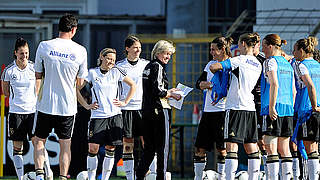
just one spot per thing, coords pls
(308, 45)
(160, 47)
(104, 52)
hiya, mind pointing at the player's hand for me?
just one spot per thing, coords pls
(119, 103)
(205, 85)
(273, 113)
(176, 96)
(317, 109)
(92, 106)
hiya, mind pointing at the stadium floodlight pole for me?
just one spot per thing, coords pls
(2, 127)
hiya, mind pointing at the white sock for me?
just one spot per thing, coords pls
(129, 168)
(107, 167)
(295, 168)
(198, 170)
(231, 168)
(46, 165)
(18, 164)
(153, 165)
(221, 171)
(264, 159)
(286, 168)
(273, 170)
(92, 164)
(253, 168)
(313, 166)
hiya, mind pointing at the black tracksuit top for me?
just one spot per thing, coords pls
(155, 85)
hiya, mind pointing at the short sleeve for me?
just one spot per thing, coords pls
(121, 73)
(38, 65)
(302, 70)
(89, 77)
(207, 68)
(231, 64)
(271, 65)
(83, 69)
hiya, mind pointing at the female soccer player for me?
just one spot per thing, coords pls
(213, 115)
(18, 83)
(241, 121)
(308, 99)
(105, 126)
(277, 98)
(131, 113)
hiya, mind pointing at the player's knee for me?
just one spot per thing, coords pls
(199, 156)
(200, 152)
(128, 147)
(93, 149)
(270, 140)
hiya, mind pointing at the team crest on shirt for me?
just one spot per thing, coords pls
(72, 57)
(146, 72)
(13, 76)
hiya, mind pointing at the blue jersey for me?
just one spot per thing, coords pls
(302, 98)
(284, 101)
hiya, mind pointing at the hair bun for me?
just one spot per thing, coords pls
(284, 42)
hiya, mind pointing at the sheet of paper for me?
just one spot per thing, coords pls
(184, 91)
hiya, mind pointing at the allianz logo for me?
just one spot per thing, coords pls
(71, 56)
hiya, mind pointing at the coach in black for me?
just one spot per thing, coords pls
(156, 110)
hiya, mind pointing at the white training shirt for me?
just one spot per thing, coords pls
(135, 73)
(246, 70)
(300, 70)
(105, 88)
(208, 107)
(61, 61)
(22, 98)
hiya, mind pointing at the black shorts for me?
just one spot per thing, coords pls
(241, 126)
(309, 130)
(132, 123)
(281, 127)
(106, 131)
(210, 130)
(20, 126)
(63, 125)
